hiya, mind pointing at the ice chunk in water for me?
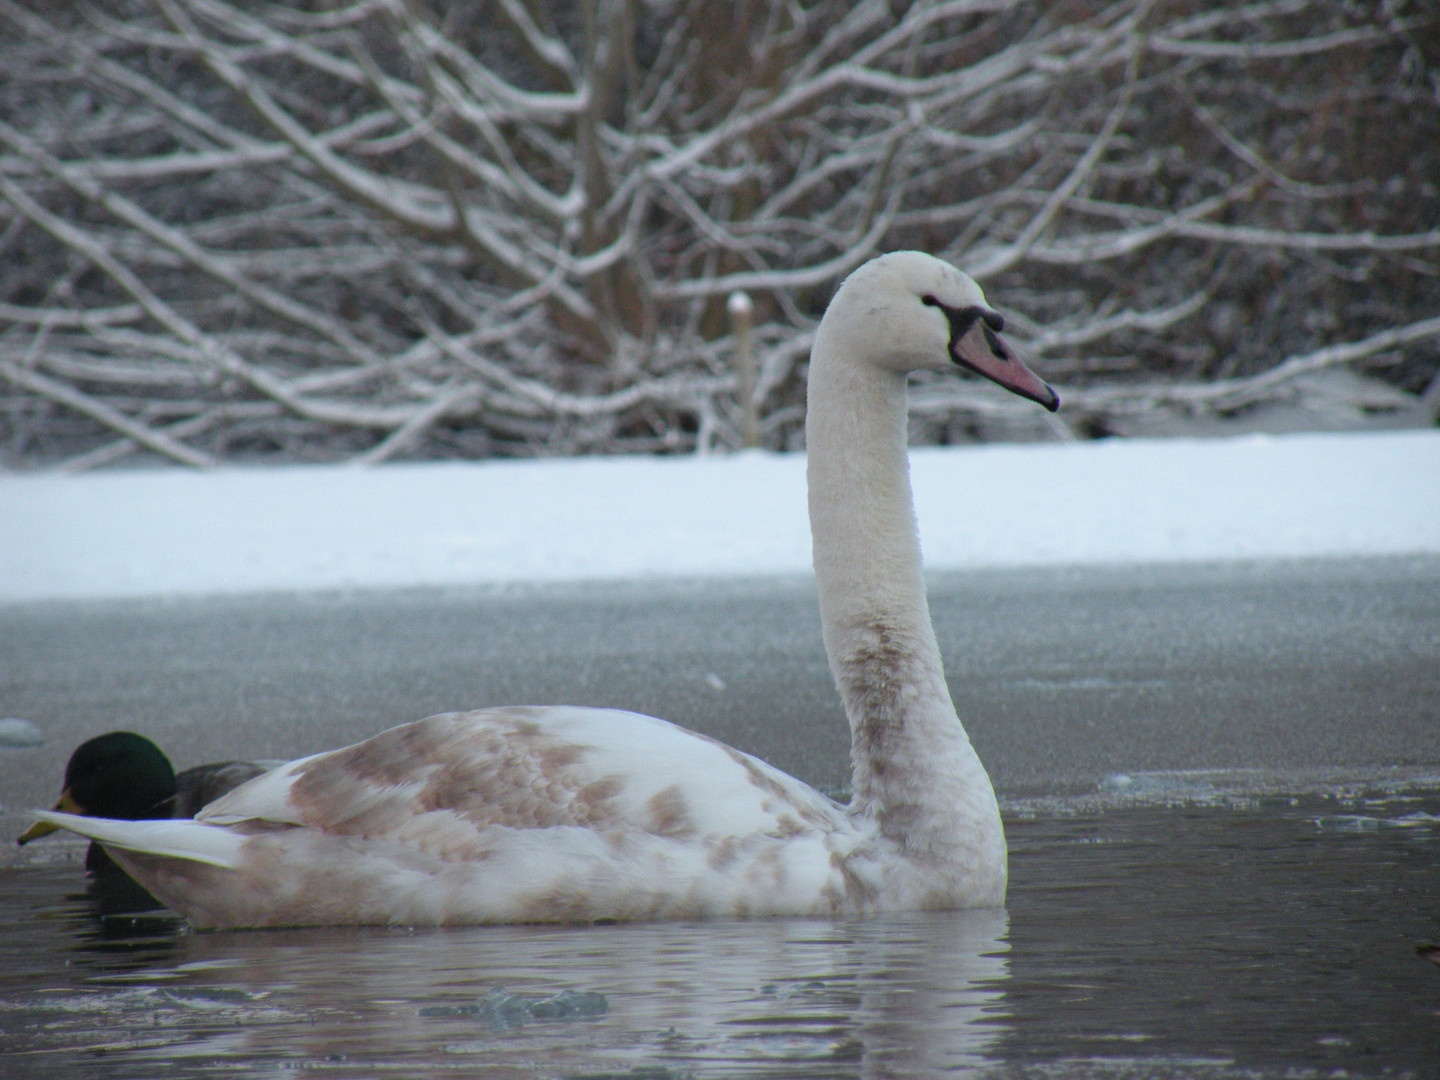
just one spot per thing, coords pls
(501, 1009)
(16, 734)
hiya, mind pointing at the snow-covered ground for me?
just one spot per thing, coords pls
(173, 532)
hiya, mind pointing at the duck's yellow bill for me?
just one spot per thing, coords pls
(64, 804)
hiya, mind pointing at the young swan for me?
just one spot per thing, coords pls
(569, 814)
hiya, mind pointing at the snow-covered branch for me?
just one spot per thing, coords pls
(396, 228)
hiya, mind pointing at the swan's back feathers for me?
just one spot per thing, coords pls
(447, 779)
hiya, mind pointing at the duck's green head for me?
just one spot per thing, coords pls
(118, 775)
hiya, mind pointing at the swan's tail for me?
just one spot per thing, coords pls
(178, 838)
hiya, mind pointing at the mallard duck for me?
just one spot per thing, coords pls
(560, 813)
(126, 776)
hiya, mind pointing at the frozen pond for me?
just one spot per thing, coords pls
(1266, 917)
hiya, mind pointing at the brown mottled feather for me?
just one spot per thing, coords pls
(508, 772)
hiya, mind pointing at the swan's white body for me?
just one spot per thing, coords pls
(571, 814)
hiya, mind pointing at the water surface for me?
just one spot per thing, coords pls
(1169, 924)
(1196, 935)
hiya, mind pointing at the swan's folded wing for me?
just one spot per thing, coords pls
(176, 837)
(443, 782)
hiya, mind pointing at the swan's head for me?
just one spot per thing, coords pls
(910, 311)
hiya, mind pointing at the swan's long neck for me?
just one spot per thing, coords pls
(913, 769)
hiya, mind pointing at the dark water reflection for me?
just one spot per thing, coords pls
(1281, 939)
(1274, 940)
(904, 996)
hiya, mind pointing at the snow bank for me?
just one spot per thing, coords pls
(173, 532)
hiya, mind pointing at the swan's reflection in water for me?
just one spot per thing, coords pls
(1114, 937)
(910, 995)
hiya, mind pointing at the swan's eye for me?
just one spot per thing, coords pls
(994, 321)
(929, 301)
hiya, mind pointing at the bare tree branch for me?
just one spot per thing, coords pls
(394, 228)
(109, 417)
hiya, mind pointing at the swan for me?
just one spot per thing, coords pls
(566, 814)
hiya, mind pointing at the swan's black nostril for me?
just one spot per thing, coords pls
(996, 345)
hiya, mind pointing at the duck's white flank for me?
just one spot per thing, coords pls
(569, 814)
